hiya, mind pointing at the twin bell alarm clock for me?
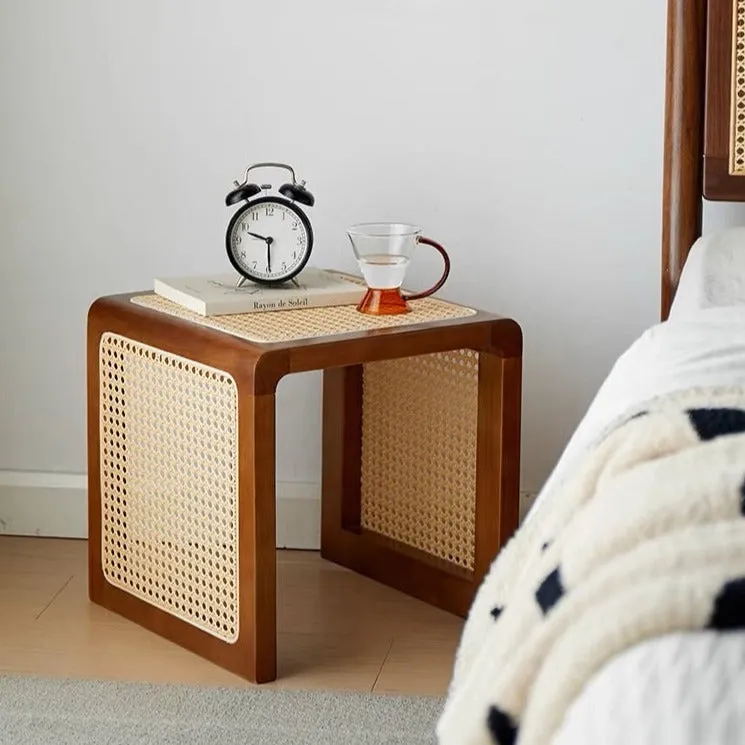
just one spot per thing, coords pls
(269, 238)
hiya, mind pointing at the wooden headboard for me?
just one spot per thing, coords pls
(704, 143)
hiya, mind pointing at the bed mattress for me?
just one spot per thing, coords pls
(683, 688)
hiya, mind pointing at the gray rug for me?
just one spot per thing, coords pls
(42, 711)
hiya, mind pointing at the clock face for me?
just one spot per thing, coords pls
(269, 240)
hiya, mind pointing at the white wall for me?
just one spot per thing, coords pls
(526, 136)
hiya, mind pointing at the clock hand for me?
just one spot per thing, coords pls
(269, 242)
(256, 235)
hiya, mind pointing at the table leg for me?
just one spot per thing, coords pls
(457, 420)
(182, 501)
(497, 457)
(258, 535)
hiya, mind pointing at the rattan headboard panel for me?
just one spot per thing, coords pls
(704, 143)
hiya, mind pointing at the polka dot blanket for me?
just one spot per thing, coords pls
(646, 538)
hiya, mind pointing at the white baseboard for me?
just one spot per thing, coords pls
(43, 504)
(55, 505)
(298, 515)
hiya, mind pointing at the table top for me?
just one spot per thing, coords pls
(272, 327)
(287, 341)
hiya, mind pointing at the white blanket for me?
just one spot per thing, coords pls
(703, 344)
(702, 348)
(642, 539)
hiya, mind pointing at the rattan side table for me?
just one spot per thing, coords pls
(420, 472)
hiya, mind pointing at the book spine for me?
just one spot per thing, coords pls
(291, 302)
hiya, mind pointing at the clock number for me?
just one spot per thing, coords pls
(243, 255)
(254, 216)
(253, 265)
(238, 240)
(295, 225)
(269, 211)
(284, 265)
(294, 254)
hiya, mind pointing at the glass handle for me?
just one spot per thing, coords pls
(445, 273)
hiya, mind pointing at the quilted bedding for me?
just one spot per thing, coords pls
(642, 542)
(681, 689)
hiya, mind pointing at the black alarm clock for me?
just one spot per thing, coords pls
(269, 239)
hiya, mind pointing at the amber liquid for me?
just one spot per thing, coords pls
(383, 302)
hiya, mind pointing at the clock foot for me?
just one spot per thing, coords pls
(241, 281)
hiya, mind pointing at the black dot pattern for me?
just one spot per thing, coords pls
(729, 607)
(496, 612)
(501, 727)
(711, 423)
(550, 591)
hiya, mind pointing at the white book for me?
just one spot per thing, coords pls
(219, 294)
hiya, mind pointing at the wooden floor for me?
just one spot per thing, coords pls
(336, 629)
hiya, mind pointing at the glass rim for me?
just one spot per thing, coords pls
(381, 229)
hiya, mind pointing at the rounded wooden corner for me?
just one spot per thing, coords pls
(268, 369)
(99, 309)
(506, 338)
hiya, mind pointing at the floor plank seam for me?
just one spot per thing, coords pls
(54, 597)
(382, 665)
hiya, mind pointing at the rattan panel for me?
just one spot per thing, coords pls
(419, 433)
(169, 483)
(737, 126)
(288, 325)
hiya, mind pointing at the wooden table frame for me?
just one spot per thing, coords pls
(257, 369)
